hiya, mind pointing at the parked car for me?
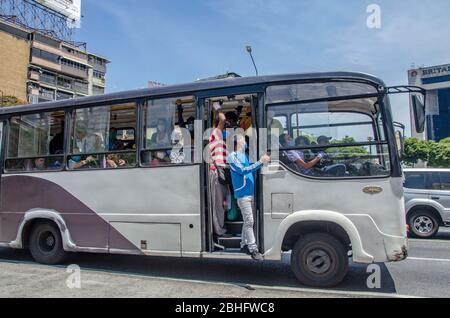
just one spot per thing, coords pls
(427, 198)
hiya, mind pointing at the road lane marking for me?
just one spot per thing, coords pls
(429, 241)
(336, 292)
(428, 259)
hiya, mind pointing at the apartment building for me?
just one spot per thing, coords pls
(36, 67)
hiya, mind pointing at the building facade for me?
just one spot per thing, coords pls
(436, 80)
(37, 68)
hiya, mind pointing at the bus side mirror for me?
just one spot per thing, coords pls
(418, 103)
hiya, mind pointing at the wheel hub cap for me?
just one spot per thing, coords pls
(47, 242)
(423, 225)
(318, 261)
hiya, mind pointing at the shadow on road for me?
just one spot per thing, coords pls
(238, 272)
(442, 235)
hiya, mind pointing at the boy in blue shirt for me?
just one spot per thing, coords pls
(242, 174)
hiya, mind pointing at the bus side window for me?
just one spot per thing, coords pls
(333, 139)
(36, 143)
(168, 131)
(103, 137)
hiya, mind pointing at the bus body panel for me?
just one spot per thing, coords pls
(112, 209)
(378, 219)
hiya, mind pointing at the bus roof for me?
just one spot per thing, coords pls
(189, 89)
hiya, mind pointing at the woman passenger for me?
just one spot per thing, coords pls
(161, 139)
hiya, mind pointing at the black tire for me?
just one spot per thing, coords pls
(46, 245)
(423, 224)
(319, 260)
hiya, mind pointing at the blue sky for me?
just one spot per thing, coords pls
(175, 41)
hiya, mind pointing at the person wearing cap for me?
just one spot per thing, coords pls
(330, 169)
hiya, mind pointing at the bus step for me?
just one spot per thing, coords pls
(230, 242)
(234, 227)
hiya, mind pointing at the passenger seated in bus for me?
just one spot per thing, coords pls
(329, 168)
(160, 158)
(93, 143)
(303, 142)
(189, 123)
(161, 138)
(56, 145)
(114, 144)
(40, 164)
(77, 162)
(298, 157)
(113, 161)
(177, 155)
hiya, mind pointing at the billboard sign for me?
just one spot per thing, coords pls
(68, 8)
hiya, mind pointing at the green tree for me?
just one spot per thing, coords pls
(415, 150)
(348, 152)
(446, 141)
(435, 154)
(439, 154)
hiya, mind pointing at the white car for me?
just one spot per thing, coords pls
(427, 198)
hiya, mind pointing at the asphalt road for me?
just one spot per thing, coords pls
(425, 274)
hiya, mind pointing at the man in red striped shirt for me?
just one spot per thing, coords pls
(219, 192)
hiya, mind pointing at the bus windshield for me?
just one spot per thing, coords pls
(336, 138)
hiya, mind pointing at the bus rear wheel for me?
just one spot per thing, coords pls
(46, 245)
(319, 260)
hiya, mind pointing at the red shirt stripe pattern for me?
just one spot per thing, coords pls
(218, 150)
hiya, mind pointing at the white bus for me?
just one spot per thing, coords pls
(99, 174)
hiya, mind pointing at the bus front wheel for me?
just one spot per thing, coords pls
(46, 245)
(319, 260)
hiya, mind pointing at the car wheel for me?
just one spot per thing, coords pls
(46, 244)
(319, 260)
(423, 224)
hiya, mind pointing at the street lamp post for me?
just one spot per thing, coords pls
(250, 51)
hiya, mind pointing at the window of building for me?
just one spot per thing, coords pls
(97, 90)
(45, 55)
(98, 74)
(46, 94)
(81, 87)
(334, 139)
(36, 143)
(103, 137)
(65, 82)
(47, 77)
(60, 95)
(75, 65)
(169, 131)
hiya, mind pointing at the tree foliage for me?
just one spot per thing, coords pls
(435, 154)
(348, 152)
